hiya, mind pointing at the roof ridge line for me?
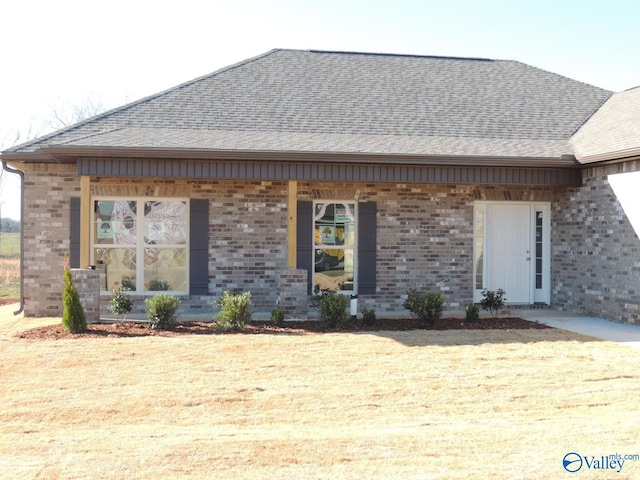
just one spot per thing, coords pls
(406, 55)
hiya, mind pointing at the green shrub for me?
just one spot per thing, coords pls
(369, 316)
(277, 317)
(161, 311)
(493, 300)
(333, 309)
(128, 283)
(235, 311)
(156, 285)
(472, 312)
(74, 319)
(426, 306)
(120, 303)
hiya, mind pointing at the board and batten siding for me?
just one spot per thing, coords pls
(327, 172)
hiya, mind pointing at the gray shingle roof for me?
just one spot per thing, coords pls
(613, 131)
(290, 100)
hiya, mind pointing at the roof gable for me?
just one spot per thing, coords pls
(613, 132)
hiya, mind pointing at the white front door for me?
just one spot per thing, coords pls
(510, 247)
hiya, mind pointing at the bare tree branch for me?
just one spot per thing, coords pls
(62, 115)
(65, 115)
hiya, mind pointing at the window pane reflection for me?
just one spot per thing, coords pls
(165, 223)
(334, 226)
(115, 222)
(165, 269)
(117, 267)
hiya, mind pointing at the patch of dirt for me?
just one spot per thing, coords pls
(132, 329)
(7, 301)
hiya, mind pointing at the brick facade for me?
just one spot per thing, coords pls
(424, 239)
(595, 251)
(48, 188)
(424, 234)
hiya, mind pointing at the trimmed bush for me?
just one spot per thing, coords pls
(161, 311)
(128, 283)
(120, 303)
(277, 317)
(158, 285)
(472, 313)
(369, 316)
(426, 306)
(333, 309)
(74, 319)
(493, 300)
(235, 311)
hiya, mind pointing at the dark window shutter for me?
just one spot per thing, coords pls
(367, 248)
(305, 239)
(199, 247)
(74, 233)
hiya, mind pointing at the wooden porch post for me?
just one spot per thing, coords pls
(85, 220)
(292, 223)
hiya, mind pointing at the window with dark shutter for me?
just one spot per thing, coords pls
(330, 236)
(367, 212)
(74, 233)
(199, 247)
(305, 239)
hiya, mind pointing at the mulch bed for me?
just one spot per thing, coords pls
(131, 329)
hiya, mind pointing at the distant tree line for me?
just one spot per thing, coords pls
(9, 225)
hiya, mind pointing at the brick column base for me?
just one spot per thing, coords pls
(294, 300)
(87, 283)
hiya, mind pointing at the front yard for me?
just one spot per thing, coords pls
(413, 404)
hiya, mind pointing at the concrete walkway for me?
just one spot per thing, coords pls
(625, 334)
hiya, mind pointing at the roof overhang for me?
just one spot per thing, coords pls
(611, 157)
(71, 154)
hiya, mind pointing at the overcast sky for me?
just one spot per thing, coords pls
(62, 52)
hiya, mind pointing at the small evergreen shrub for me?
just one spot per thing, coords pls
(277, 317)
(120, 303)
(74, 319)
(472, 313)
(369, 316)
(156, 285)
(235, 311)
(128, 283)
(161, 311)
(333, 309)
(493, 300)
(426, 306)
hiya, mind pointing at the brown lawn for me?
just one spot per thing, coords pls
(393, 405)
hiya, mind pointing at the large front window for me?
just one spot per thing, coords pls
(141, 244)
(334, 246)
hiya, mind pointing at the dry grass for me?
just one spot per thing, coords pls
(9, 278)
(399, 405)
(9, 270)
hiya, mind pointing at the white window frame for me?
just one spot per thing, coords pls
(353, 248)
(140, 245)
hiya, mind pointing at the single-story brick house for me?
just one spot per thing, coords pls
(365, 173)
